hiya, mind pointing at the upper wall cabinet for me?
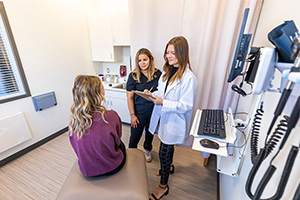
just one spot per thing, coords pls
(120, 29)
(108, 32)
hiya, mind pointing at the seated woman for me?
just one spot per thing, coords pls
(94, 132)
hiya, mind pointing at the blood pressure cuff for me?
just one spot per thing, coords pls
(282, 37)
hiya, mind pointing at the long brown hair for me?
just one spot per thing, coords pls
(87, 98)
(151, 69)
(181, 48)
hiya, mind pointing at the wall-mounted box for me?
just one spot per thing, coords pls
(44, 101)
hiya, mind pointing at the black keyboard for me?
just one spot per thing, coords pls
(212, 123)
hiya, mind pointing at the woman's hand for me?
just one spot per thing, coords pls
(134, 121)
(147, 91)
(157, 100)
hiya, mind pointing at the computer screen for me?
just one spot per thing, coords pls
(240, 50)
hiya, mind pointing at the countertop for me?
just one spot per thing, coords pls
(114, 86)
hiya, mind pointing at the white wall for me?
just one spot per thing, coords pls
(53, 44)
(274, 13)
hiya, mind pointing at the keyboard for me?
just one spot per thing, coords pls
(212, 123)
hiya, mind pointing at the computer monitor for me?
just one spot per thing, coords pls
(241, 50)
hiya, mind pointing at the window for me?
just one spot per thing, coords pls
(13, 84)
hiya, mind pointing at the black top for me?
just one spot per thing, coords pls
(174, 70)
(142, 107)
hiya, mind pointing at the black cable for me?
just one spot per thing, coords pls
(270, 145)
(295, 115)
(284, 177)
(255, 133)
(291, 123)
(238, 90)
(280, 130)
(282, 101)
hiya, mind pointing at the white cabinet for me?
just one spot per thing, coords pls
(108, 32)
(101, 39)
(117, 101)
(120, 29)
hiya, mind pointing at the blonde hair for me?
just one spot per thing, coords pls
(136, 72)
(87, 98)
(181, 48)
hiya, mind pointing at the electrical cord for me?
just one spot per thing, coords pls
(239, 89)
(264, 152)
(291, 123)
(282, 101)
(283, 180)
(276, 136)
(255, 133)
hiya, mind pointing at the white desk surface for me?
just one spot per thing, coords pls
(230, 136)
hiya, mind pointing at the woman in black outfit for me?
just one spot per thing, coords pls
(144, 76)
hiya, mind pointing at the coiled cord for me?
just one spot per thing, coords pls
(255, 133)
(276, 136)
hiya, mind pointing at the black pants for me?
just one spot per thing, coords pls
(136, 134)
(166, 153)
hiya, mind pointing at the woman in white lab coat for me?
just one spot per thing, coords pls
(173, 108)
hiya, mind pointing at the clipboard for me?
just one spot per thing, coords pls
(144, 95)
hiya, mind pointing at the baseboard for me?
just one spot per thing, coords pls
(32, 147)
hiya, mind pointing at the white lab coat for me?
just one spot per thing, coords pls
(175, 115)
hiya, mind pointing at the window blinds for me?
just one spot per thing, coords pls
(8, 82)
(13, 84)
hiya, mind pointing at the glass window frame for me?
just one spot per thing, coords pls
(18, 68)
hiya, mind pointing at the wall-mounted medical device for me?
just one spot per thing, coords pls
(266, 70)
(280, 135)
(290, 102)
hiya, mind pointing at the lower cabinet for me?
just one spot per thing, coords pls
(117, 100)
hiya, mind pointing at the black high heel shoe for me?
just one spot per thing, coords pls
(172, 170)
(166, 193)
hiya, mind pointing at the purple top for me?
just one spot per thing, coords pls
(97, 150)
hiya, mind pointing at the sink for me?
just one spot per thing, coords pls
(120, 86)
(114, 85)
